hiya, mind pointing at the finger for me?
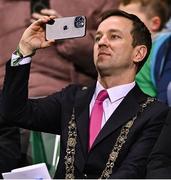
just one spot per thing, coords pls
(42, 20)
(52, 17)
(51, 21)
(47, 43)
(37, 16)
(32, 20)
(40, 23)
(49, 12)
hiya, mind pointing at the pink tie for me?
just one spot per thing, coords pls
(96, 117)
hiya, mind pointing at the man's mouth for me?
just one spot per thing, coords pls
(102, 53)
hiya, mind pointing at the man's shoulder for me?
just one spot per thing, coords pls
(74, 90)
(155, 104)
(77, 87)
(157, 108)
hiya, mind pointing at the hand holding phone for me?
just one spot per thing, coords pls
(66, 27)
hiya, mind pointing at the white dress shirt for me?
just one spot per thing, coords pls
(116, 95)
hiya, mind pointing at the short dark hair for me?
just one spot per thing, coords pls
(152, 8)
(140, 33)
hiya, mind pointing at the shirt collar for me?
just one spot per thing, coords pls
(115, 93)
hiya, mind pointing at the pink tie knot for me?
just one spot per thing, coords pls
(102, 95)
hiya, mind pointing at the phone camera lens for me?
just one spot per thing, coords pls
(79, 22)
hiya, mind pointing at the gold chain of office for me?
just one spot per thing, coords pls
(72, 140)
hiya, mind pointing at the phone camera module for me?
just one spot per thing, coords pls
(79, 22)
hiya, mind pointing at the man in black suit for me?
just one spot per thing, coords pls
(131, 120)
(159, 166)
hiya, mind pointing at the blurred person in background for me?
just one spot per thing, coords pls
(68, 61)
(168, 28)
(154, 77)
(168, 25)
(159, 166)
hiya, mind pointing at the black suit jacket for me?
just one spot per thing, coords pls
(159, 165)
(52, 114)
(10, 150)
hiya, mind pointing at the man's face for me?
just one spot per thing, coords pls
(113, 50)
(135, 8)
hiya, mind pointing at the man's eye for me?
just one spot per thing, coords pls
(97, 38)
(114, 36)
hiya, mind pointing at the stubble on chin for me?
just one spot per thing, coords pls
(102, 70)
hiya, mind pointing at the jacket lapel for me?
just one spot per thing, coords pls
(128, 108)
(83, 99)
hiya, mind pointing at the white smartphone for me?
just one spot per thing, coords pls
(66, 27)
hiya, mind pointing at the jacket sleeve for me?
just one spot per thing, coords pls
(9, 147)
(163, 70)
(18, 110)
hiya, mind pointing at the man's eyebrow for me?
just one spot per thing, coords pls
(115, 30)
(110, 30)
(98, 33)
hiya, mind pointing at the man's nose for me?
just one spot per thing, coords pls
(103, 41)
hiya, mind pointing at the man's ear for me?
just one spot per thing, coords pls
(139, 53)
(155, 24)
